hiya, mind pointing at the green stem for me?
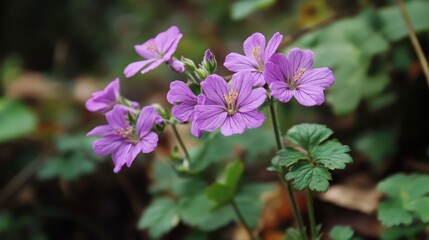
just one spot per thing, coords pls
(295, 209)
(414, 40)
(191, 77)
(241, 218)
(182, 145)
(311, 214)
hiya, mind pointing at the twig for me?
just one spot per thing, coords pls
(414, 40)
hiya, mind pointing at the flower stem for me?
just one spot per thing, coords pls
(182, 145)
(191, 77)
(296, 212)
(311, 214)
(241, 218)
(414, 40)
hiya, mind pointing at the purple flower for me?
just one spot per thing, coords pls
(156, 51)
(256, 56)
(104, 100)
(176, 65)
(293, 76)
(231, 107)
(123, 140)
(185, 101)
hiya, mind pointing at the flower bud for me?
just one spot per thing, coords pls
(209, 62)
(176, 65)
(202, 73)
(189, 64)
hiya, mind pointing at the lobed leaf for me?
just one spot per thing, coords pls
(308, 136)
(304, 175)
(332, 155)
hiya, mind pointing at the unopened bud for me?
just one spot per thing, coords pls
(176, 65)
(202, 73)
(189, 64)
(209, 62)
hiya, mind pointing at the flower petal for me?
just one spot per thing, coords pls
(147, 119)
(209, 117)
(318, 77)
(121, 156)
(299, 59)
(310, 96)
(272, 46)
(276, 69)
(148, 142)
(147, 49)
(232, 125)
(252, 119)
(247, 99)
(280, 91)
(102, 130)
(105, 99)
(237, 63)
(117, 117)
(183, 112)
(106, 145)
(151, 66)
(166, 42)
(215, 87)
(196, 129)
(180, 93)
(255, 99)
(134, 67)
(254, 44)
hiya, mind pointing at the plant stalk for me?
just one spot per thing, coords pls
(311, 214)
(414, 40)
(241, 218)
(182, 145)
(296, 212)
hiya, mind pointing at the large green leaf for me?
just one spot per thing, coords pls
(304, 175)
(308, 136)
(332, 155)
(160, 217)
(223, 190)
(16, 119)
(392, 213)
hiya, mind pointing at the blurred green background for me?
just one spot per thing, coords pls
(54, 54)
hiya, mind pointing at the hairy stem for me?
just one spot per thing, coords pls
(311, 215)
(296, 212)
(179, 139)
(414, 40)
(242, 220)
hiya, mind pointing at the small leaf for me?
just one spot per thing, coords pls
(293, 234)
(304, 175)
(16, 119)
(243, 8)
(332, 155)
(308, 136)
(392, 213)
(289, 156)
(66, 168)
(160, 217)
(223, 190)
(341, 233)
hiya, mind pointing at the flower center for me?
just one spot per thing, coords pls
(231, 99)
(256, 53)
(128, 134)
(151, 47)
(293, 83)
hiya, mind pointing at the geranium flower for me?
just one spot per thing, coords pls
(231, 107)
(123, 140)
(156, 51)
(185, 101)
(104, 100)
(256, 56)
(293, 76)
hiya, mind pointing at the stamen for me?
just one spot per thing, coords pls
(256, 52)
(299, 74)
(151, 47)
(230, 99)
(128, 134)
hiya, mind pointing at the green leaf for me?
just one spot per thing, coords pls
(402, 232)
(405, 187)
(66, 167)
(197, 212)
(341, 233)
(289, 156)
(243, 8)
(304, 175)
(393, 25)
(223, 190)
(392, 213)
(16, 119)
(420, 207)
(308, 136)
(160, 217)
(293, 234)
(332, 155)
(377, 146)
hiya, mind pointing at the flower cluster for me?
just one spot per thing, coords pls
(208, 101)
